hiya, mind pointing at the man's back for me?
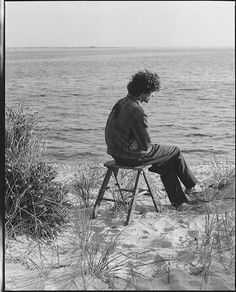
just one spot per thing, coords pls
(126, 126)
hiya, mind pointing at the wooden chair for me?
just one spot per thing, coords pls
(113, 168)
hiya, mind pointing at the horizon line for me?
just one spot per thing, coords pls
(133, 47)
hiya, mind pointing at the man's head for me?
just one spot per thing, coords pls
(143, 84)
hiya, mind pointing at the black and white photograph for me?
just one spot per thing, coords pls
(119, 145)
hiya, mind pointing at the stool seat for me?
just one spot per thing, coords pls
(113, 164)
(113, 168)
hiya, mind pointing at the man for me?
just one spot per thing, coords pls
(129, 143)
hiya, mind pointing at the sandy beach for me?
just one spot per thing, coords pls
(157, 251)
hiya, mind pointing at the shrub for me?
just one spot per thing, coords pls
(35, 204)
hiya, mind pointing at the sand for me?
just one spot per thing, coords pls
(160, 248)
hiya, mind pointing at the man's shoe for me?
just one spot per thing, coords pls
(192, 202)
(183, 207)
(185, 204)
(195, 189)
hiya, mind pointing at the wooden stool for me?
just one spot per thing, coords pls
(112, 167)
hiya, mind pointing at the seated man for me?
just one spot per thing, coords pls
(129, 143)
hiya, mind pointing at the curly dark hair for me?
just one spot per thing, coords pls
(143, 82)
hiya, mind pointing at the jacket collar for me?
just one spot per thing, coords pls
(134, 98)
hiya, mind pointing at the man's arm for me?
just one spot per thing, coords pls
(140, 130)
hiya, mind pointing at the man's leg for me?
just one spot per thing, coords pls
(183, 171)
(171, 165)
(171, 183)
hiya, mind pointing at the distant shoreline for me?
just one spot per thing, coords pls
(123, 47)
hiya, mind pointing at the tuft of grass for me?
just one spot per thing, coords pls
(35, 204)
(97, 252)
(222, 173)
(215, 243)
(88, 176)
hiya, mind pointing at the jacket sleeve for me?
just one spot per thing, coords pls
(140, 129)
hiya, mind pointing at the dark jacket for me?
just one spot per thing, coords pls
(126, 131)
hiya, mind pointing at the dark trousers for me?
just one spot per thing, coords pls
(169, 162)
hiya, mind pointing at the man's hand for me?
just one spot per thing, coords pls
(134, 146)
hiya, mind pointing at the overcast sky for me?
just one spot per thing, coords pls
(120, 23)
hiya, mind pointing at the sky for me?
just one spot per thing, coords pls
(120, 23)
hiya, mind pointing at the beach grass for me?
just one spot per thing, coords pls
(222, 173)
(87, 176)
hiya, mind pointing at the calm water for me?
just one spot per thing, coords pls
(74, 89)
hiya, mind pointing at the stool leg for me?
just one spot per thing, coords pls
(133, 200)
(115, 172)
(152, 190)
(101, 192)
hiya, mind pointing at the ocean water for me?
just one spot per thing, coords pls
(74, 89)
